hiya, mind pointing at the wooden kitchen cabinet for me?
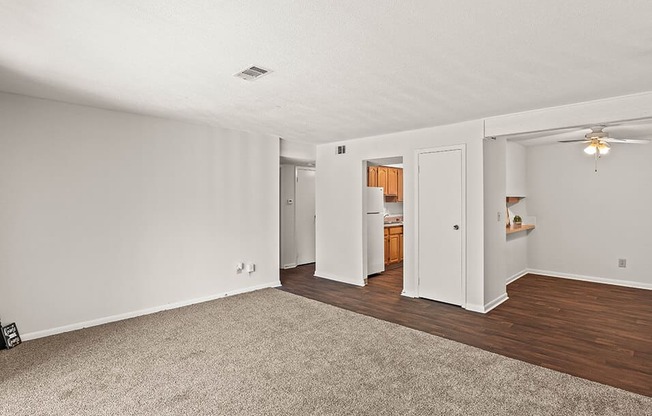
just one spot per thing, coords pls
(400, 185)
(382, 178)
(394, 249)
(393, 245)
(372, 176)
(392, 182)
(390, 179)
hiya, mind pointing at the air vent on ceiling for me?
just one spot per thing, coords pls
(252, 73)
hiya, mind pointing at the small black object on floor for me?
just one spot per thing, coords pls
(10, 336)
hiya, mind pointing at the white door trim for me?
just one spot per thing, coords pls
(296, 179)
(462, 148)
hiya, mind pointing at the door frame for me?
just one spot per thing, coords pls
(296, 245)
(417, 153)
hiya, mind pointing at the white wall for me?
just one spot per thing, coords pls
(586, 221)
(516, 250)
(494, 222)
(105, 214)
(516, 255)
(516, 179)
(342, 177)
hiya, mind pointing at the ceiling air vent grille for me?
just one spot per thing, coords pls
(252, 73)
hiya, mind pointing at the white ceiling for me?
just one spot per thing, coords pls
(342, 69)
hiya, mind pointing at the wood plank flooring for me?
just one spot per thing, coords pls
(598, 332)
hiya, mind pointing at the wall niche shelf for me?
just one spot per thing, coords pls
(513, 199)
(525, 227)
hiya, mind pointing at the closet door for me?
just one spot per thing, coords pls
(441, 226)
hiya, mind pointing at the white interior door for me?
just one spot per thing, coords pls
(441, 226)
(305, 215)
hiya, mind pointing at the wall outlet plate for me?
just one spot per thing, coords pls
(622, 263)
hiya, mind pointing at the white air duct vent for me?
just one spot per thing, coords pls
(252, 73)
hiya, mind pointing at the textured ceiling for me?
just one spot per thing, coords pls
(342, 69)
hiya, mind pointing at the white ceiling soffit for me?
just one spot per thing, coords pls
(341, 69)
(637, 129)
(396, 160)
(297, 162)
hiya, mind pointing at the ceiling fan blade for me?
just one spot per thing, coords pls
(632, 141)
(575, 141)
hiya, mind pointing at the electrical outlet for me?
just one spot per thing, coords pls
(251, 267)
(622, 263)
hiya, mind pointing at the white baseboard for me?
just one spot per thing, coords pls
(474, 307)
(338, 278)
(487, 306)
(500, 299)
(517, 276)
(290, 266)
(141, 312)
(408, 294)
(615, 282)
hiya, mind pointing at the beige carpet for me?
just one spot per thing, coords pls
(274, 353)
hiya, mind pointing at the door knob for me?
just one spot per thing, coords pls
(456, 227)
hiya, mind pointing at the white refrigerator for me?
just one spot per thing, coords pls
(375, 232)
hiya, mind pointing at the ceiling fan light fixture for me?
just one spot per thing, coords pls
(590, 149)
(603, 148)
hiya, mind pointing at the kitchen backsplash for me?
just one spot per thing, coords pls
(394, 208)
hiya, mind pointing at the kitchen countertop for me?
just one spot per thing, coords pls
(393, 224)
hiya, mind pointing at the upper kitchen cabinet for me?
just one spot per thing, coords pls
(388, 178)
(392, 182)
(400, 185)
(382, 178)
(372, 176)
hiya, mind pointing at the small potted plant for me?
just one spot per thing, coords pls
(517, 221)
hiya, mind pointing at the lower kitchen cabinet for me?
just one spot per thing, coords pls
(393, 245)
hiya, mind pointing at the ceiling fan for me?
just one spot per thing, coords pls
(599, 142)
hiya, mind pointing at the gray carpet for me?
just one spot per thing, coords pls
(274, 353)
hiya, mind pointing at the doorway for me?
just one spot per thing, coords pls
(305, 215)
(383, 229)
(297, 215)
(441, 226)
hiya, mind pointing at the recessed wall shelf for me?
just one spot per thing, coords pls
(524, 227)
(513, 199)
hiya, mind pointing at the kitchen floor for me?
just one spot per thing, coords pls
(598, 332)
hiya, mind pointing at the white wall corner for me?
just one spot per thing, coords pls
(475, 308)
(517, 276)
(494, 303)
(409, 294)
(488, 306)
(340, 279)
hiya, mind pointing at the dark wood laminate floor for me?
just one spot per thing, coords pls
(594, 331)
